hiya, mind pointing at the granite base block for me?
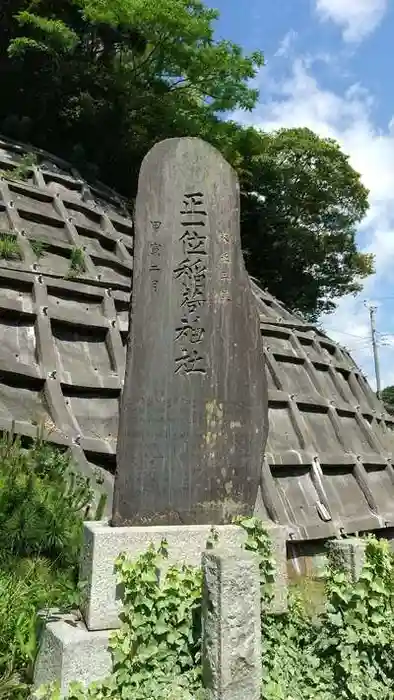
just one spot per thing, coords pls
(103, 544)
(69, 652)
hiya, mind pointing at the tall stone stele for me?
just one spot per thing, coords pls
(194, 415)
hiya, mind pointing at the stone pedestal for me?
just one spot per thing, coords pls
(103, 544)
(231, 656)
(72, 650)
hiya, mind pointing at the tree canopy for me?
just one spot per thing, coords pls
(301, 206)
(387, 396)
(98, 82)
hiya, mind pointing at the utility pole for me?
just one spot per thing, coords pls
(372, 312)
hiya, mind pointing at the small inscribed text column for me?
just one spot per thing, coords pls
(191, 272)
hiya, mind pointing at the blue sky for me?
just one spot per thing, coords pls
(329, 67)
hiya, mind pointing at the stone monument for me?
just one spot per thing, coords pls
(193, 423)
(194, 417)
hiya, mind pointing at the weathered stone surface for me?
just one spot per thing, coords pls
(69, 653)
(102, 545)
(347, 555)
(193, 421)
(232, 663)
(279, 602)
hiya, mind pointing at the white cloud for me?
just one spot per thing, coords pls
(357, 18)
(286, 44)
(300, 101)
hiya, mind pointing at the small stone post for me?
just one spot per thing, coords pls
(347, 555)
(231, 656)
(279, 602)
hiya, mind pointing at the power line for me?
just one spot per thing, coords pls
(356, 348)
(351, 335)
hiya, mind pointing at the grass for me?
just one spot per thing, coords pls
(43, 503)
(21, 171)
(77, 261)
(39, 247)
(27, 586)
(9, 246)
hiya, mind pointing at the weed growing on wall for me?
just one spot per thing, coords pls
(9, 247)
(77, 262)
(23, 170)
(39, 247)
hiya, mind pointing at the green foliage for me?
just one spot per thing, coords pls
(27, 586)
(12, 686)
(310, 594)
(342, 650)
(301, 206)
(157, 651)
(100, 82)
(171, 42)
(22, 170)
(55, 35)
(77, 262)
(259, 542)
(158, 634)
(359, 628)
(345, 651)
(387, 396)
(41, 502)
(9, 246)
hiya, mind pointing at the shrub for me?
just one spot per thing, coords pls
(42, 502)
(344, 652)
(42, 507)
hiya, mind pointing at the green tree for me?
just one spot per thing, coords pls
(102, 80)
(387, 396)
(302, 202)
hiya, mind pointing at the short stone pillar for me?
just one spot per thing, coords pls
(347, 555)
(231, 621)
(279, 601)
